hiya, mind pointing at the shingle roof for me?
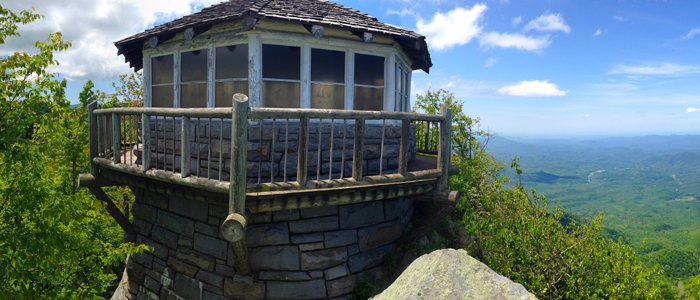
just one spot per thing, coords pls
(312, 12)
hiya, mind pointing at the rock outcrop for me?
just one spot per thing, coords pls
(452, 274)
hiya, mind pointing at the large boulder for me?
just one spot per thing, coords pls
(452, 274)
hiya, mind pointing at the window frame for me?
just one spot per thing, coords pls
(212, 73)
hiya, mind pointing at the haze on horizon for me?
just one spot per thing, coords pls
(526, 68)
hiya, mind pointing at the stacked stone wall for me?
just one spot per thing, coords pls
(166, 142)
(314, 253)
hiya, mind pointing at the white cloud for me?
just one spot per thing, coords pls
(456, 27)
(490, 62)
(692, 109)
(404, 12)
(514, 40)
(619, 19)
(517, 20)
(550, 22)
(600, 32)
(93, 26)
(587, 116)
(533, 88)
(654, 69)
(691, 34)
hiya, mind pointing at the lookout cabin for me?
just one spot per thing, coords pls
(275, 156)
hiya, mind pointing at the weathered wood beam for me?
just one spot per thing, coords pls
(92, 136)
(114, 211)
(445, 147)
(157, 40)
(90, 181)
(303, 150)
(358, 149)
(168, 112)
(130, 48)
(283, 113)
(444, 197)
(192, 32)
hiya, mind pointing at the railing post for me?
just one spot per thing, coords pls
(303, 150)
(426, 145)
(403, 152)
(145, 142)
(116, 139)
(358, 149)
(445, 147)
(234, 227)
(93, 140)
(185, 155)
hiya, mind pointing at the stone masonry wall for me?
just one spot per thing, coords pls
(315, 253)
(260, 150)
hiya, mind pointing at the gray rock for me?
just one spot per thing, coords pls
(158, 249)
(209, 245)
(314, 289)
(322, 259)
(353, 249)
(152, 284)
(156, 200)
(337, 271)
(378, 235)
(225, 270)
(396, 208)
(190, 208)
(434, 276)
(218, 211)
(182, 267)
(259, 217)
(211, 296)
(341, 286)
(310, 247)
(144, 211)
(283, 276)
(361, 214)
(207, 229)
(368, 259)
(340, 238)
(267, 234)
(311, 225)
(143, 259)
(239, 290)
(316, 274)
(187, 287)
(210, 278)
(165, 237)
(177, 224)
(319, 211)
(142, 227)
(195, 258)
(307, 238)
(284, 258)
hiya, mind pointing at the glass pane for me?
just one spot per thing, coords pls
(327, 66)
(194, 65)
(162, 96)
(404, 80)
(398, 78)
(281, 94)
(162, 69)
(232, 62)
(225, 91)
(369, 70)
(281, 62)
(193, 95)
(327, 96)
(368, 98)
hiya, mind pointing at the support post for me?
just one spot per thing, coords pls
(116, 139)
(358, 149)
(185, 155)
(303, 150)
(403, 151)
(113, 211)
(146, 142)
(234, 227)
(445, 147)
(93, 140)
(426, 141)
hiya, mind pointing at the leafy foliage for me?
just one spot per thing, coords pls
(365, 286)
(515, 235)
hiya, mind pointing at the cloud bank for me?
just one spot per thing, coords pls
(654, 69)
(533, 88)
(456, 27)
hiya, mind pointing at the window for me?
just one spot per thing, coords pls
(193, 79)
(369, 82)
(281, 70)
(231, 73)
(403, 89)
(327, 79)
(162, 81)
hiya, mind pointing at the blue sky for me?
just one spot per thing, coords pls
(543, 68)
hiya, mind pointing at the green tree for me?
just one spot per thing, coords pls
(55, 240)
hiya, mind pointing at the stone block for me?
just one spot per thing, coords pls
(213, 221)
(144, 211)
(190, 208)
(319, 211)
(174, 223)
(368, 259)
(187, 287)
(268, 132)
(238, 290)
(135, 271)
(378, 235)
(283, 276)
(207, 229)
(155, 200)
(396, 208)
(142, 227)
(316, 274)
(209, 245)
(182, 267)
(195, 258)
(165, 237)
(152, 285)
(185, 242)
(285, 215)
(361, 214)
(312, 225)
(218, 211)
(260, 217)
(307, 238)
(341, 286)
(322, 259)
(310, 247)
(336, 272)
(212, 289)
(267, 234)
(284, 258)
(225, 270)
(211, 296)
(315, 289)
(353, 249)
(210, 278)
(158, 249)
(340, 238)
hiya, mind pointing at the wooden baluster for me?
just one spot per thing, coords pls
(381, 150)
(209, 152)
(272, 152)
(403, 152)
(330, 157)
(342, 155)
(260, 152)
(93, 139)
(303, 150)
(174, 147)
(358, 149)
(146, 139)
(155, 130)
(221, 148)
(185, 147)
(116, 141)
(286, 145)
(426, 142)
(445, 148)
(318, 153)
